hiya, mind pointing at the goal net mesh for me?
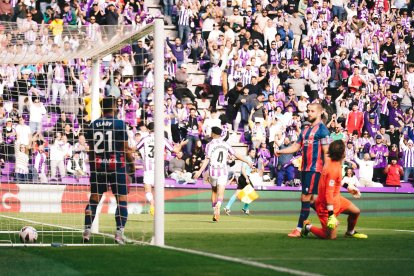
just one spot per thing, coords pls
(46, 87)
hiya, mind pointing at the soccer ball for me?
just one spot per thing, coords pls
(28, 234)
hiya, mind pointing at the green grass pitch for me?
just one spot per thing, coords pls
(387, 251)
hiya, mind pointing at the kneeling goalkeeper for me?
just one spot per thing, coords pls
(330, 203)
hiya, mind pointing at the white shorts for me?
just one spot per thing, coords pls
(149, 177)
(218, 180)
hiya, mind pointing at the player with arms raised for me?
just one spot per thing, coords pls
(313, 141)
(217, 153)
(146, 148)
(329, 203)
(110, 158)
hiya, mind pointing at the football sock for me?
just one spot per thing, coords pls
(352, 221)
(231, 201)
(304, 213)
(121, 215)
(246, 206)
(319, 232)
(90, 212)
(312, 205)
(149, 197)
(219, 202)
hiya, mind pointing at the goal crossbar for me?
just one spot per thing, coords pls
(108, 39)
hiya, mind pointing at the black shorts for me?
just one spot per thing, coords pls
(117, 180)
(241, 183)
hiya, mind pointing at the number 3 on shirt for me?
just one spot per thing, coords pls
(99, 146)
(151, 151)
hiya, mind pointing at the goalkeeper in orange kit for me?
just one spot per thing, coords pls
(330, 203)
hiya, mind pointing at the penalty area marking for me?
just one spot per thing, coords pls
(243, 261)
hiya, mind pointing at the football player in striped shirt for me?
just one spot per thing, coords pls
(217, 154)
(313, 142)
(110, 158)
(146, 148)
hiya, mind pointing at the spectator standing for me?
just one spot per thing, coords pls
(22, 163)
(408, 157)
(355, 120)
(379, 152)
(214, 76)
(57, 158)
(185, 17)
(23, 133)
(394, 172)
(37, 113)
(177, 50)
(182, 80)
(40, 164)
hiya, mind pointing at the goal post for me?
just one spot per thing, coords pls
(159, 131)
(56, 207)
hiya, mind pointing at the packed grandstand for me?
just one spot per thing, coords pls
(261, 63)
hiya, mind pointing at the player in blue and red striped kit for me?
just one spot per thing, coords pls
(110, 159)
(313, 142)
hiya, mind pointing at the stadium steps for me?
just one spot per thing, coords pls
(154, 8)
(198, 77)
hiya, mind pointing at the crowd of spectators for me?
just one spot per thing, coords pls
(269, 59)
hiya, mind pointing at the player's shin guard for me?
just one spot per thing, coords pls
(304, 213)
(121, 215)
(90, 212)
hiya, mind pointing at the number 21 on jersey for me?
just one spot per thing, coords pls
(100, 139)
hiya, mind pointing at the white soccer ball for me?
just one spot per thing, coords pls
(28, 234)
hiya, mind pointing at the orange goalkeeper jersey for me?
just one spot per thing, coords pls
(330, 184)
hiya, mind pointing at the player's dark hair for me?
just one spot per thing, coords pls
(336, 150)
(150, 126)
(108, 104)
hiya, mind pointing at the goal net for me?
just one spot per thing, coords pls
(53, 79)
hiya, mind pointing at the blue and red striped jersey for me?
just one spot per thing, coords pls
(311, 140)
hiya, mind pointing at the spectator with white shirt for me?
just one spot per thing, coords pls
(57, 155)
(408, 158)
(40, 164)
(366, 171)
(76, 166)
(23, 133)
(37, 113)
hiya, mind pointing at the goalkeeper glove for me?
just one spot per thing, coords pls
(332, 222)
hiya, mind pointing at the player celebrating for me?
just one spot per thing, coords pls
(329, 203)
(313, 141)
(108, 156)
(217, 153)
(146, 148)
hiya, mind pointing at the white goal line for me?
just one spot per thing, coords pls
(68, 230)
